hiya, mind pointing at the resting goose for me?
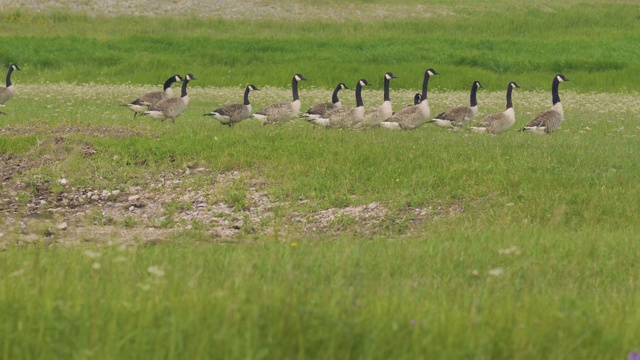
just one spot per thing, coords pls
(383, 112)
(232, 114)
(456, 117)
(499, 122)
(173, 107)
(412, 117)
(320, 109)
(7, 93)
(143, 103)
(345, 117)
(548, 121)
(283, 111)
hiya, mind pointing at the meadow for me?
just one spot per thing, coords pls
(126, 238)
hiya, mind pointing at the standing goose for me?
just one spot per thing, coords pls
(414, 116)
(383, 112)
(320, 109)
(345, 117)
(173, 107)
(499, 122)
(6, 93)
(548, 121)
(456, 117)
(149, 99)
(283, 111)
(232, 114)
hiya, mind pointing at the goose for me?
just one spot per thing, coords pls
(412, 117)
(499, 122)
(143, 103)
(232, 114)
(548, 121)
(320, 109)
(173, 107)
(283, 111)
(383, 112)
(456, 117)
(345, 117)
(6, 93)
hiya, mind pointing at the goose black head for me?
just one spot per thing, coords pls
(14, 67)
(363, 82)
(432, 72)
(513, 85)
(561, 78)
(342, 86)
(390, 76)
(190, 77)
(252, 87)
(477, 84)
(299, 77)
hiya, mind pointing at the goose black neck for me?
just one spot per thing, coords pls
(334, 97)
(554, 91)
(184, 87)
(473, 101)
(386, 89)
(509, 90)
(359, 102)
(167, 84)
(425, 83)
(294, 89)
(246, 95)
(9, 76)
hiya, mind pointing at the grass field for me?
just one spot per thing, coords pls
(132, 239)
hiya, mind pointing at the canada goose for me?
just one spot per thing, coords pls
(283, 111)
(143, 103)
(383, 112)
(456, 117)
(499, 122)
(232, 114)
(345, 117)
(6, 93)
(320, 109)
(173, 107)
(412, 117)
(548, 121)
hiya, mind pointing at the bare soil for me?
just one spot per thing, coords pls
(165, 204)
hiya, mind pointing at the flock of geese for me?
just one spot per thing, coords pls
(164, 105)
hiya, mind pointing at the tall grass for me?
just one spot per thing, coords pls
(497, 295)
(473, 42)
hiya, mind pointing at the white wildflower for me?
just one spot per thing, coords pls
(155, 270)
(510, 250)
(496, 272)
(92, 254)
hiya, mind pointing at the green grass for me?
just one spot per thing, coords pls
(561, 295)
(527, 251)
(475, 43)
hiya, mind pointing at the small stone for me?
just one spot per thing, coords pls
(115, 192)
(131, 208)
(62, 226)
(63, 181)
(133, 197)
